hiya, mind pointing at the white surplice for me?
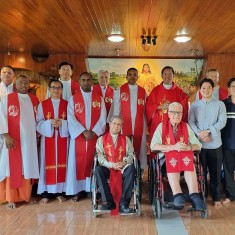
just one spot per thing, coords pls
(45, 128)
(116, 110)
(4, 90)
(73, 185)
(67, 90)
(28, 140)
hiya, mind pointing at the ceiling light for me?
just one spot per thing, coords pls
(182, 38)
(115, 37)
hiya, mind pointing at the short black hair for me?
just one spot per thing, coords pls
(84, 74)
(206, 80)
(168, 67)
(131, 69)
(230, 81)
(7, 66)
(55, 80)
(65, 63)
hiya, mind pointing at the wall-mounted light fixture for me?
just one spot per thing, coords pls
(146, 40)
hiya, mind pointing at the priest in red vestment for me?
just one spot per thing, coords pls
(18, 158)
(177, 140)
(53, 127)
(160, 98)
(86, 122)
(103, 89)
(115, 156)
(70, 87)
(129, 101)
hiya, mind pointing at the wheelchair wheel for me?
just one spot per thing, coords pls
(139, 180)
(158, 208)
(138, 207)
(152, 186)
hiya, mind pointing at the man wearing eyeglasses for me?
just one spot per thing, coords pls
(177, 141)
(18, 158)
(160, 98)
(53, 127)
(207, 117)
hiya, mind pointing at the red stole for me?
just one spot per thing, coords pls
(223, 94)
(55, 173)
(84, 151)
(75, 87)
(15, 155)
(177, 161)
(108, 97)
(126, 113)
(115, 154)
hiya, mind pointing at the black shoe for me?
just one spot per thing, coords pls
(125, 210)
(197, 202)
(108, 206)
(179, 200)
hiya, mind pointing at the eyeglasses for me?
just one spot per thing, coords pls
(175, 112)
(56, 88)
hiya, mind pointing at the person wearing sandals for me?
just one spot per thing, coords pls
(177, 141)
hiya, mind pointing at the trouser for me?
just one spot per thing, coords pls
(211, 159)
(228, 165)
(102, 175)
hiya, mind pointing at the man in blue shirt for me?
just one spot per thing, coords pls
(207, 117)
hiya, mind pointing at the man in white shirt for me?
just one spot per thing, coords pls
(70, 87)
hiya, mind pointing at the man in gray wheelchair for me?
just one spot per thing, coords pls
(115, 157)
(177, 141)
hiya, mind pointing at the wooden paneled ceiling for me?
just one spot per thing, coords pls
(81, 26)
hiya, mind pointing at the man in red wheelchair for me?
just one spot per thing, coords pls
(115, 157)
(177, 141)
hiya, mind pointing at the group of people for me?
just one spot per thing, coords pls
(71, 124)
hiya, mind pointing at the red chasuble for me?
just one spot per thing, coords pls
(55, 172)
(223, 94)
(108, 97)
(177, 161)
(15, 155)
(158, 96)
(115, 154)
(75, 87)
(125, 99)
(85, 154)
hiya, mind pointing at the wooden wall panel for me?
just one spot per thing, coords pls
(225, 64)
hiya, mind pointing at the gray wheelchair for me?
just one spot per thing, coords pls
(96, 195)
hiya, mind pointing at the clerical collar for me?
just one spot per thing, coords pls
(5, 85)
(132, 86)
(114, 135)
(103, 87)
(168, 86)
(65, 81)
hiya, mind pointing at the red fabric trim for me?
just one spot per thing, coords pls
(15, 155)
(85, 154)
(75, 87)
(126, 113)
(115, 155)
(177, 161)
(50, 145)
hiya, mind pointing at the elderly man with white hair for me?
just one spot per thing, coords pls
(176, 139)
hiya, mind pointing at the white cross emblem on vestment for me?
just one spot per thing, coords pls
(173, 162)
(186, 161)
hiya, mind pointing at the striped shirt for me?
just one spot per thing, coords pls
(228, 133)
